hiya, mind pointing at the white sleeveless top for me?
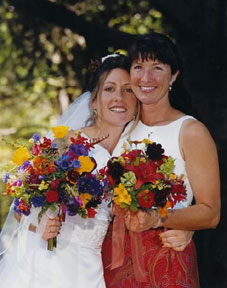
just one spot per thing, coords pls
(168, 136)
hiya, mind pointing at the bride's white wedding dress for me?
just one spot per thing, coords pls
(75, 263)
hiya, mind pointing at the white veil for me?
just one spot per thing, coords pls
(77, 116)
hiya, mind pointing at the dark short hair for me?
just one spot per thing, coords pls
(155, 46)
(110, 63)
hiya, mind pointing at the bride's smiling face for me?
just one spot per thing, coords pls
(117, 102)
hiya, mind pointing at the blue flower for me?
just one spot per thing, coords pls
(75, 163)
(16, 208)
(37, 201)
(64, 162)
(78, 150)
(5, 177)
(24, 166)
(42, 177)
(90, 185)
(72, 207)
(54, 145)
(36, 137)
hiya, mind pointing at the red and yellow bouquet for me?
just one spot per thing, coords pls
(140, 179)
(56, 175)
(144, 178)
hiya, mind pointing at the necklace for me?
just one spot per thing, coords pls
(99, 139)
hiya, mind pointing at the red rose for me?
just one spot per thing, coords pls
(178, 189)
(55, 183)
(179, 192)
(132, 154)
(91, 213)
(51, 196)
(36, 149)
(111, 181)
(46, 143)
(146, 198)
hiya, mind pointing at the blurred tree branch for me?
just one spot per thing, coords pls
(99, 36)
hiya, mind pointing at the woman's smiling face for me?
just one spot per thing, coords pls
(150, 80)
(118, 103)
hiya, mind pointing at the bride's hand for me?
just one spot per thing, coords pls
(52, 228)
(176, 239)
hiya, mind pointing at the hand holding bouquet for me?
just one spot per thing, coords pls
(55, 176)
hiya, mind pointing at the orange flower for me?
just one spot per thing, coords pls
(43, 165)
(163, 210)
(9, 189)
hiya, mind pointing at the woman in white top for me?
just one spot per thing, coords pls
(76, 262)
(154, 69)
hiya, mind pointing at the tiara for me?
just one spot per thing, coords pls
(115, 54)
(108, 56)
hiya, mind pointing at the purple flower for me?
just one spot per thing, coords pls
(36, 137)
(64, 162)
(37, 201)
(77, 150)
(90, 185)
(16, 203)
(33, 179)
(72, 207)
(79, 201)
(24, 166)
(18, 182)
(42, 177)
(76, 163)
(5, 177)
(17, 208)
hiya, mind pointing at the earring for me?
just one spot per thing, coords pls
(170, 87)
(95, 113)
(134, 117)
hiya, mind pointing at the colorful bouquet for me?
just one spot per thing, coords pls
(144, 178)
(55, 176)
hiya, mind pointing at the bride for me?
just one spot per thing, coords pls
(76, 262)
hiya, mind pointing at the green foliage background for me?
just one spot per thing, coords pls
(42, 66)
(46, 47)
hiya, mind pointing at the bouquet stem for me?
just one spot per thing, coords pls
(52, 243)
